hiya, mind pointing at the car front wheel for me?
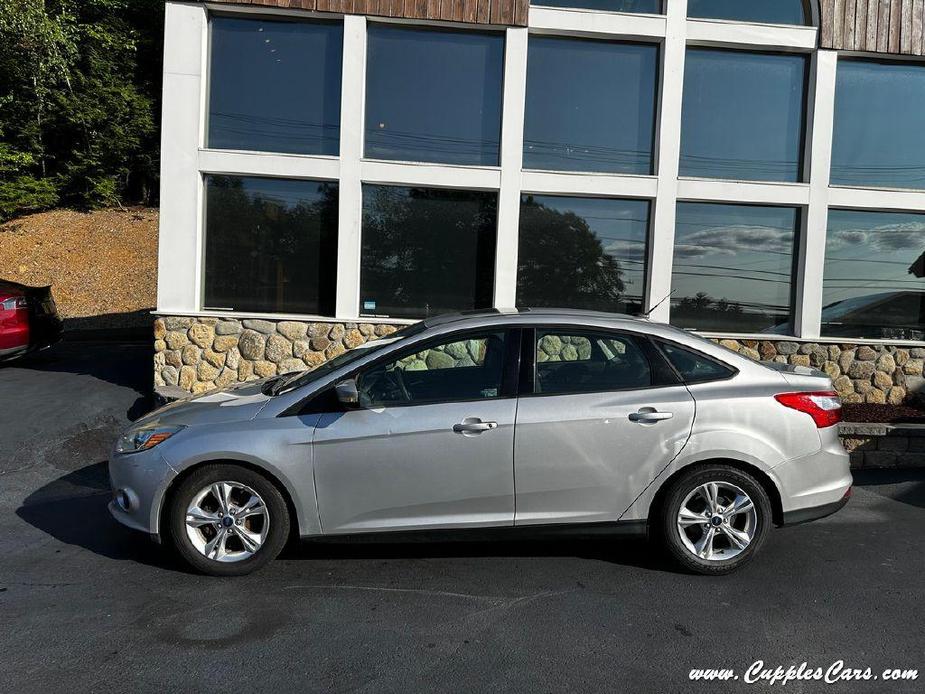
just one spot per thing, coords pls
(714, 519)
(227, 520)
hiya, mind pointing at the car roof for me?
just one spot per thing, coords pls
(503, 315)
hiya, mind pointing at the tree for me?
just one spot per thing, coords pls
(563, 263)
(79, 81)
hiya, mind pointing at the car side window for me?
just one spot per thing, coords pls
(589, 362)
(693, 366)
(462, 369)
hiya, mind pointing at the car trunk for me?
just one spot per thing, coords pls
(801, 377)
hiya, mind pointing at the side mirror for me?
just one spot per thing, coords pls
(347, 392)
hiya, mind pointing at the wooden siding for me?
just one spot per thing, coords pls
(873, 26)
(503, 12)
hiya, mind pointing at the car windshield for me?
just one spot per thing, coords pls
(301, 378)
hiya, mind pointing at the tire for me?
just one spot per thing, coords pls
(724, 553)
(265, 523)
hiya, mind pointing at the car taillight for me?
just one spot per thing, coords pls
(823, 406)
(13, 303)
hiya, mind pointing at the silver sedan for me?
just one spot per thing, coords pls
(530, 421)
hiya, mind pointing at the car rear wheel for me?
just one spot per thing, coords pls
(715, 519)
(227, 520)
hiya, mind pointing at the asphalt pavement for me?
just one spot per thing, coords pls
(86, 605)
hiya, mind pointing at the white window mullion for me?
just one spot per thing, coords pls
(350, 190)
(808, 314)
(661, 241)
(179, 240)
(512, 146)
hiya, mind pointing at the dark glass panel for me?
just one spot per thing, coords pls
(879, 137)
(743, 115)
(694, 367)
(433, 95)
(274, 86)
(645, 6)
(271, 245)
(426, 251)
(589, 362)
(874, 283)
(587, 253)
(590, 105)
(467, 369)
(761, 11)
(733, 268)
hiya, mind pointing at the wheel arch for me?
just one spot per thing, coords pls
(762, 477)
(283, 489)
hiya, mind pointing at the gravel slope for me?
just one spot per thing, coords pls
(101, 263)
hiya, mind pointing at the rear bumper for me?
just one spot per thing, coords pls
(805, 515)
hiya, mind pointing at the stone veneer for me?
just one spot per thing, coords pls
(198, 354)
(861, 373)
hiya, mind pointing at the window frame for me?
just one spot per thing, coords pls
(528, 362)
(658, 343)
(186, 78)
(509, 370)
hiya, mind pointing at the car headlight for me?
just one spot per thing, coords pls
(145, 437)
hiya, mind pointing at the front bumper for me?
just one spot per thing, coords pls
(139, 483)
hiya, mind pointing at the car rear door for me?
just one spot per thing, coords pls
(599, 416)
(431, 444)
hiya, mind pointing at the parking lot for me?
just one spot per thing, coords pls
(86, 605)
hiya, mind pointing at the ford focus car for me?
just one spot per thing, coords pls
(528, 421)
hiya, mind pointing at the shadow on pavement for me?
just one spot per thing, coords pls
(894, 484)
(126, 364)
(73, 509)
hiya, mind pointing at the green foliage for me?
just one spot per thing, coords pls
(79, 83)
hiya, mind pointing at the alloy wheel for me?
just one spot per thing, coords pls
(717, 521)
(227, 521)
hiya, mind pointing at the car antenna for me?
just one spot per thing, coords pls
(646, 314)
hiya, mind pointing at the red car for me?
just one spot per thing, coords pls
(28, 319)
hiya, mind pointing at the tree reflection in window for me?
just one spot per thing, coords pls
(874, 283)
(733, 267)
(586, 253)
(426, 251)
(269, 245)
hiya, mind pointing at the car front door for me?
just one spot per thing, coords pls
(431, 443)
(602, 415)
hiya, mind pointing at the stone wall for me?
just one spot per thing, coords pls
(198, 354)
(884, 445)
(861, 373)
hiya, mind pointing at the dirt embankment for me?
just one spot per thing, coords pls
(102, 265)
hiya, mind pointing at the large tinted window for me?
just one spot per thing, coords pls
(647, 6)
(733, 267)
(270, 245)
(590, 105)
(433, 95)
(764, 11)
(584, 253)
(274, 86)
(743, 115)
(464, 369)
(426, 251)
(589, 362)
(874, 283)
(879, 137)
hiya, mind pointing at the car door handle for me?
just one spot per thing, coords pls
(650, 415)
(472, 425)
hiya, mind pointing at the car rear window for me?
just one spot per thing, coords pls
(693, 366)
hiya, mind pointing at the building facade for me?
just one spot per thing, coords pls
(750, 169)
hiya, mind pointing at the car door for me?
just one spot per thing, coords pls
(431, 444)
(601, 415)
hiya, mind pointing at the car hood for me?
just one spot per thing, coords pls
(240, 402)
